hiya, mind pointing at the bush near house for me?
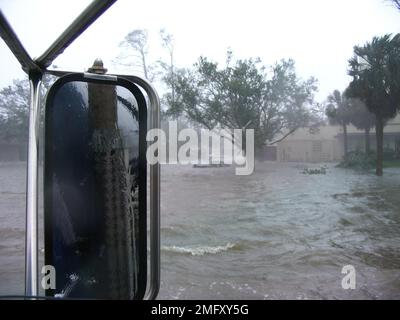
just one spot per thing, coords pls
(361, 161)
(358, 160)
(389, 154)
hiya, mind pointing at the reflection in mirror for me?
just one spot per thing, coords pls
(95, 223)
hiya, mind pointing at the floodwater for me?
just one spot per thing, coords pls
(12, 227)
(277, 234)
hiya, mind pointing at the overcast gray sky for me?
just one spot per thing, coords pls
(318, 34)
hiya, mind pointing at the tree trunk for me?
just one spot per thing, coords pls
(345, 145)
(367, 141)
(379, 146)
(173, 78)
(244, 142)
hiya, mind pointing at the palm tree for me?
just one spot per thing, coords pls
(376, 81)
(362, 119)
(396, 3)
(338, 112)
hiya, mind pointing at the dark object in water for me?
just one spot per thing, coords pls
(211, 165)
(321, 170)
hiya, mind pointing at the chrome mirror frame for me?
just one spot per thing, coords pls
(36, 68)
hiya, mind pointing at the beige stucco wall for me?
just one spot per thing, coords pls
(309, 150)
(392, 126)
(305, 145)
(324, 143)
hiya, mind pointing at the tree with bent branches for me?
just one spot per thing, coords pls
(242, 95)
(375, 69)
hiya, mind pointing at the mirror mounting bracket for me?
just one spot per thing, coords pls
(97, 67)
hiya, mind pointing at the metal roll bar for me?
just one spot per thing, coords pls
(79, 25)
(15, 45)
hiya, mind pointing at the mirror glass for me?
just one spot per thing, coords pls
(95, 189)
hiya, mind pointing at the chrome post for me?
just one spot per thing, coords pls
(15, 45)
(31, 243)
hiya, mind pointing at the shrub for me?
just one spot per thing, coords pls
(389, 154)
(359, 160)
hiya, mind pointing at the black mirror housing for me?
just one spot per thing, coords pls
(95, 187)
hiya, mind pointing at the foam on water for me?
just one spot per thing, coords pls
(200, 250)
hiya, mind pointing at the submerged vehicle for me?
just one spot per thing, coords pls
(95, 176)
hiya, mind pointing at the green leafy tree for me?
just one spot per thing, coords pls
(14, 102)
(288, 102)
(375, 69)
(14, 109)
(241, 95)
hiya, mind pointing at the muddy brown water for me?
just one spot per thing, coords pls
(277, 234)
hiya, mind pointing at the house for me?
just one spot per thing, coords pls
(325, 143)
(319, 144)
(391, 137)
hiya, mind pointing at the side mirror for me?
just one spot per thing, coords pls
(95, 187)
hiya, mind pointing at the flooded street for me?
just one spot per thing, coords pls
(12, 227)
(277, 234)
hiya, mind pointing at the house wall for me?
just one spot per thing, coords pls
(357, 143)
(308, 145)
(267, 153)
(391, 139)
(310, 151)
(392, 126)
(325, 143)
